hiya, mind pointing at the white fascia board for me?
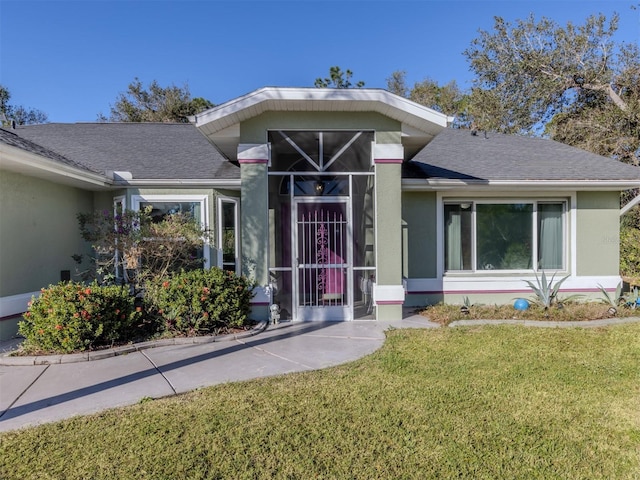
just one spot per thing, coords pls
(630, 205)
(21, 161)
(318, 99)
(231, 184)
(411, 184)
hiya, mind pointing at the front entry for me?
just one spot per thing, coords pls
(321, 224)
(323, 260)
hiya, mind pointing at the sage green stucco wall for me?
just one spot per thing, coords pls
(419, 232)
(388, 234)
(255, 221)
(255, 129)
(388, 224)
(598, 233)
(38, 231)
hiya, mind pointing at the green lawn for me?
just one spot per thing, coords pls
(489, 402)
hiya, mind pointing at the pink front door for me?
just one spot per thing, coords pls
(322, 261)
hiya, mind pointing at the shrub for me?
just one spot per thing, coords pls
(200, 301)
(131, 247)
(630, 251)
(70, 317)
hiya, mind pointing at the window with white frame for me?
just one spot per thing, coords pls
(504, 235)
(227, 234)
(193, 206)
(119, 207)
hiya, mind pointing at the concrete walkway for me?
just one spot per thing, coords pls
(36, 390)
(32, 393)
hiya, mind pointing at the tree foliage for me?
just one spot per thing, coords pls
(155, 104)
(448, 98)
(131, 247)
(20, 114)
(337, 79)
(573, 80)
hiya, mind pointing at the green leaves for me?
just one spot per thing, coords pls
(145, 249)
(70, 317)
(337, 79)
(546, 292)
(612, 301)
(200, 301)
(531, 73)
(156, 104)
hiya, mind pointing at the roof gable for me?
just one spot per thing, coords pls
(220, 124)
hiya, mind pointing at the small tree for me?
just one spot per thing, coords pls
(155, 104)
(337, 79)
(18, 113)
(131, 248)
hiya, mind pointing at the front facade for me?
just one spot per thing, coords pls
(341, 204)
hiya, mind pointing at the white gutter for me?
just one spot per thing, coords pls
(410, 184)
(23, 161)
(232, 184)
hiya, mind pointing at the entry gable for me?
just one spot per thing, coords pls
(220, 124)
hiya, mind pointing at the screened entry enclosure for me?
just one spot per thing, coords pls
(321, 224)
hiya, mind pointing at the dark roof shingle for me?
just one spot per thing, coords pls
(458, 155)
(154, 151)
(9, 137)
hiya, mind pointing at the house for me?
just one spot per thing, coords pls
(342, 204)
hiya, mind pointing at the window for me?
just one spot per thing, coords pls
(119, 207)
(160, 210)
(227, 233)
(194, 206)
(493, 235)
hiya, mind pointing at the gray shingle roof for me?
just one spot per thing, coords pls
(458, 155)
(9, 137)
(154, 151)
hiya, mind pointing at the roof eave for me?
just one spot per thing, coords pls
(413, 184)
(313, 99)
(230, 184)
(21, 161)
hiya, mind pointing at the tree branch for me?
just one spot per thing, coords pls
(611, 93)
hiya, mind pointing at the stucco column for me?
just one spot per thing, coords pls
(254, 221)
(388, 293)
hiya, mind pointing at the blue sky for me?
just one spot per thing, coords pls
(71, 59)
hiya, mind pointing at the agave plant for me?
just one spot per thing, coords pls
(606, 297)
(546, 292)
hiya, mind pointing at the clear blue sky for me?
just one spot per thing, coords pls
(70, 59)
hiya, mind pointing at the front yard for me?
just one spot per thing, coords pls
(485, 402)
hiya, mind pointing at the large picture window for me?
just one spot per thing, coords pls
(192, 206)
(520, 235)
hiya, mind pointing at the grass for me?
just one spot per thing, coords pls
(475, 402)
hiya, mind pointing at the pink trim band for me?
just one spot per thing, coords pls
(489, 292)
(388, 160)
(390, 302)
(249, 161)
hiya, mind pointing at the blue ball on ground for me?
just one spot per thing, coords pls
(521, 304)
